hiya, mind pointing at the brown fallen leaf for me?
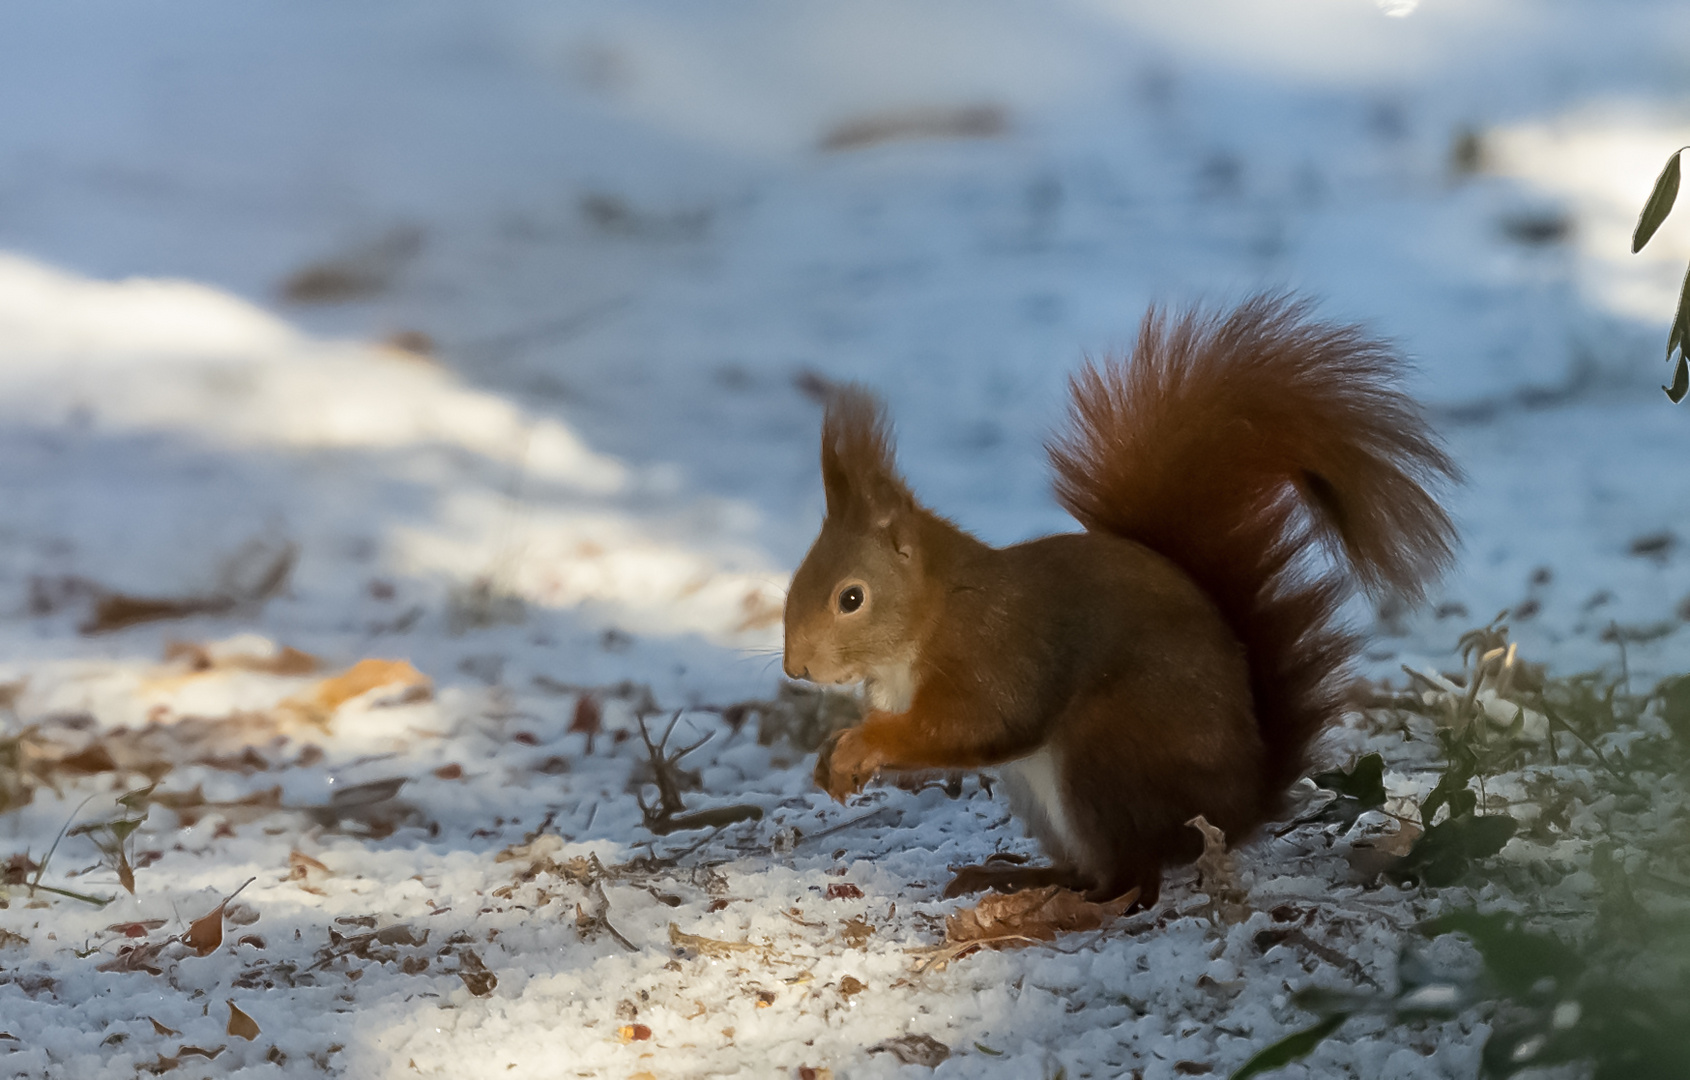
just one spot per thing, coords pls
(199, 1051)
(633, 1033)
(117, 611)
(205, 934)
(856, 932)
(914, 1049)
(205, 658)
(301, 864)
(94, 758)
(1032, 914)
(586, 719)
(933, 122)
(1217, 877)
(241, 1025)
(318, 704)
(162, 1065)
(477, 979)
(133, 929)
(136, 958)
(162, 1030)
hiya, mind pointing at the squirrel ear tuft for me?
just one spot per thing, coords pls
(858, 470)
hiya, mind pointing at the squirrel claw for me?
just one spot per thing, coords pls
(844, 765)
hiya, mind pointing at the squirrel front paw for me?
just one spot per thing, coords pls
(845, 764)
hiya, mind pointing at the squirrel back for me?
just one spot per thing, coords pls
(1273, 459)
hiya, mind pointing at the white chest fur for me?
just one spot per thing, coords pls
(891, 687)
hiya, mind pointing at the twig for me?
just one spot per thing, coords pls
(843, 825)
(669, 815)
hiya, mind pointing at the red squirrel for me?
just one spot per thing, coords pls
(1238, 476)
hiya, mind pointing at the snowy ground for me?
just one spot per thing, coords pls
(500, 320)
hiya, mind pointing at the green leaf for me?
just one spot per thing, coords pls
(1659, 205)
(1675, 704)
(137, 799)
(1516, 958)
(984, 1049)
(1446, 851)
(122, 829)
(1359, 790)
(1680, 381)
(1364, 782)
(1679, 336)
(1293, 1047)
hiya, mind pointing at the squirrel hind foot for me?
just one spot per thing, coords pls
(1001, 876)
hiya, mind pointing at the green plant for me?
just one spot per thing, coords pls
(1655, 211)
(115, 838)
(1609, 987)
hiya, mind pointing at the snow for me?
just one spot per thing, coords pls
(619, 229)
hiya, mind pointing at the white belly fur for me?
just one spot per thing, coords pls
(1035, 794)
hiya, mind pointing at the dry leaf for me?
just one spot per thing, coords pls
(198, 1051)
(1373, 857)
(914, 1049)
(850, 984)
(94, 758)
(981, 121)
(1216, 876)
(477, 979)
(708, 946)
(1037, 914)
(633, 1033)
(162, 1030)
(844, 890)
(116, 611)
(136, 958)
(129, 929)
(319, 703)
(241, 1025)
(805, 1072)
(201, 659)
(856, 932)
(301, 864)
(205, 934)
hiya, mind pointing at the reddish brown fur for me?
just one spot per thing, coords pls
(1228, 445)
(1179, 656)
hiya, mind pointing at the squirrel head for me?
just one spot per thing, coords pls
(851, 609)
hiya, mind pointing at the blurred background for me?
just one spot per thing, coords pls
(512, 318)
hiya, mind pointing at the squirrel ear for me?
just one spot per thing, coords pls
(900, 531)
(857, 468)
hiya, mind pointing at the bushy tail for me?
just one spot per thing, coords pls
(1237, 445)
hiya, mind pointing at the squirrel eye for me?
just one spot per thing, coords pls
(851, 598)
